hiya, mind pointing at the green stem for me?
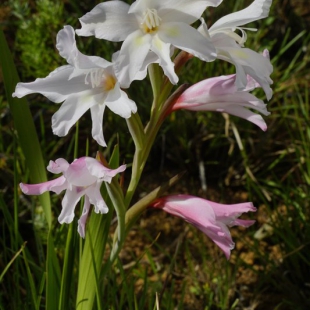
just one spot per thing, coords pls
(133, 213)
(143, 140)
(117, 198)
(155, 74)
(139, 160)
(136, 130)
(151, 130)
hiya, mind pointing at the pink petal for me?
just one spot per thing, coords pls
(220, 94)
(57, 166)
(221, 238)
(56, 186)
(101, 172)
(210, 217)
(78, 174)
(232, 210)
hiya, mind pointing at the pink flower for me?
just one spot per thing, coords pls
(83, 177)
(220, 94)
(213, 219)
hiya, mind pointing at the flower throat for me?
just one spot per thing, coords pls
(150, 21)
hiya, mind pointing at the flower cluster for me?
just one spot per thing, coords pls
(153, 32)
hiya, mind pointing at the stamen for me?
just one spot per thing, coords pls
(150, 21)
(236, 37)
(241, 39)
(95, 77)
(100, 77)
(85, 80)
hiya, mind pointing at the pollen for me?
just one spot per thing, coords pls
(109, 82)
(151, 21)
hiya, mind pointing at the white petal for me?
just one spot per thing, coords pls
(70, 111)
(188, 39)
(186, 11)
(247, 62)
(66, 46)
(69, 202)
(150, 59)
(222, 41)
(139, 7)
(241, 77)
(257, 10)
(97, 118)
(213, 3)
(83, 218)
(203, 29)
(109, 20)
(119, 103)
(141, 75)
(131, 57)
(55, 86)
(162, 50)
(95, 198)
(253, 64)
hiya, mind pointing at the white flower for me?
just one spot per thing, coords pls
(88, 82)
(150, 26)
(83, 177)
(229, 45)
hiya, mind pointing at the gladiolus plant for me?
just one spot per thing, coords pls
(157, 39)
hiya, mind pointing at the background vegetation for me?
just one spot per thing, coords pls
(165, 262)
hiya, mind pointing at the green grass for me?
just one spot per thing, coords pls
(164, 262)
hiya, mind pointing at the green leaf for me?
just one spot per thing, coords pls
(53, 275)
(24, 126)
(68, 267)
(11, 262)
(91, 261)
(31, 281)
(90, 267)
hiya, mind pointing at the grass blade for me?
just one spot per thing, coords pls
(11, 262)
(23, 122)
(53, 276)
